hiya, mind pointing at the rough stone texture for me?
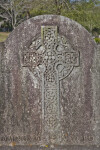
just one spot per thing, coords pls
(26, 90)
(56, 148)
(2, 84)
(96, 83)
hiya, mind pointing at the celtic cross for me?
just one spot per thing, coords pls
(57, 59)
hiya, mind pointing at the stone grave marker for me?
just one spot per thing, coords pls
(48, 85)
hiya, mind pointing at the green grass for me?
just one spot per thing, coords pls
(3, 36)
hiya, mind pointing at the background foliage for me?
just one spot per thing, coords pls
(85, 12)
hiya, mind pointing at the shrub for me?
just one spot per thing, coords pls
(97, 40)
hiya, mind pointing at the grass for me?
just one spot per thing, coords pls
(3, 36)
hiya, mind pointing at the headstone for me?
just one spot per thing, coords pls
(48, 86)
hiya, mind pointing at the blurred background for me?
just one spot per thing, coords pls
(85, 12)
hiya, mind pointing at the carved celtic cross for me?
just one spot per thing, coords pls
(56, 57)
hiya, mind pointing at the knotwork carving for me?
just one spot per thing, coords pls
(54, 55)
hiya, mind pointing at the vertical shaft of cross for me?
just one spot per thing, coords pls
(50, 91)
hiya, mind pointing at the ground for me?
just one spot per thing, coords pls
(3, 36)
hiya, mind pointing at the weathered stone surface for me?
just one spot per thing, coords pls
(50, 90)
(2, 88)
(96, 84)
(56, 148)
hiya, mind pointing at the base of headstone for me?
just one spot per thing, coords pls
(80, 147)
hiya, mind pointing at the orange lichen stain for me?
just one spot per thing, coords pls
(66, 134)
(30, 144)
(13, 144)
